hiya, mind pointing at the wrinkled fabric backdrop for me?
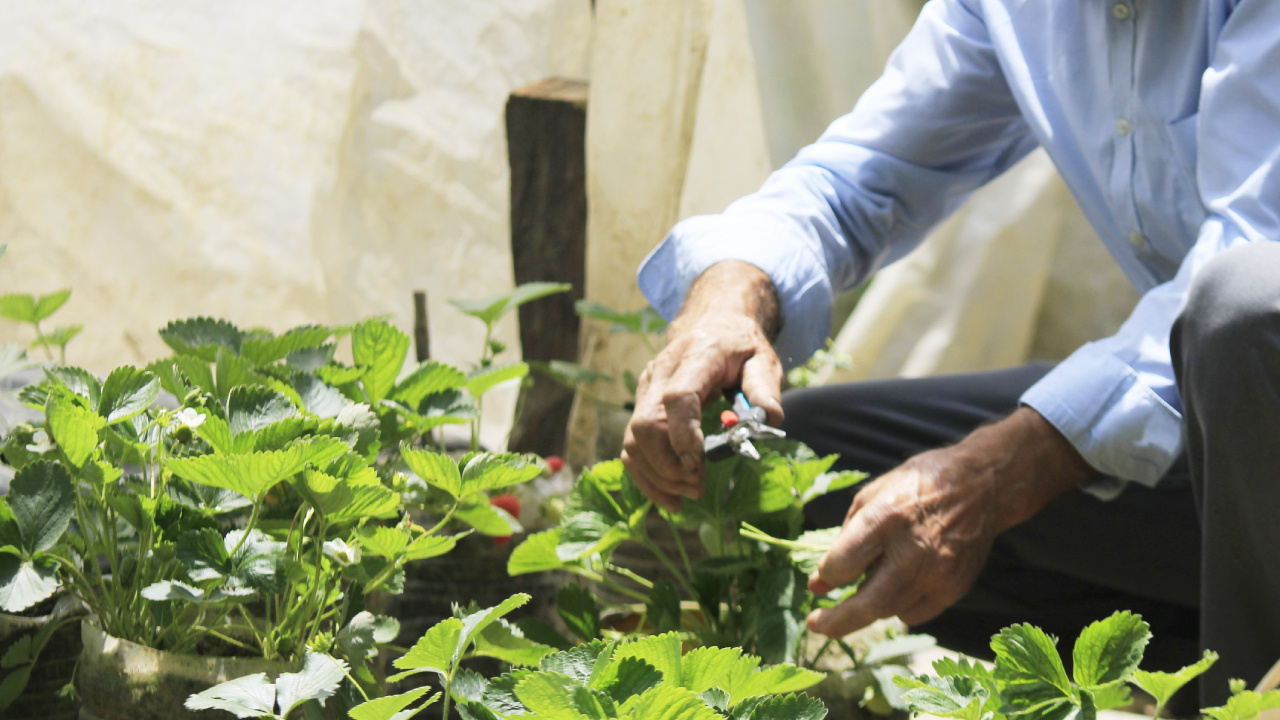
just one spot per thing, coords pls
(316, 161)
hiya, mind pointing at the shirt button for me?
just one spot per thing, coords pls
(1122, 126)
(1137, 239)
(1121, 11)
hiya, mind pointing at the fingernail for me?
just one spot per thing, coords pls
(689, 462)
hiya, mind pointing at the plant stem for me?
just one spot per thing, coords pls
(41, 340)
(447, 517)
(253, 520)
(631, 575)
(671, 567)
(675, 533)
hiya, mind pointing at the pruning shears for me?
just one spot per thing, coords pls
(742, 424)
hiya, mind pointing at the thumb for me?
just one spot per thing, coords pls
(762, 383)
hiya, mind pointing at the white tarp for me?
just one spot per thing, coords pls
(273, 163)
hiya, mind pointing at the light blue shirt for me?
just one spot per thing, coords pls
(1163, 117)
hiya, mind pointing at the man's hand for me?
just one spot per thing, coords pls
(720, 339)
(922, 531)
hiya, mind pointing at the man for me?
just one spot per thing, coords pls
(1044, 494)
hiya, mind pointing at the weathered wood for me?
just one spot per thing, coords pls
(546, 145)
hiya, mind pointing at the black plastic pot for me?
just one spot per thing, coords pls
(43, 697)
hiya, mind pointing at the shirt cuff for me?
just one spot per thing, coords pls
(1117, 423)
(800, 277)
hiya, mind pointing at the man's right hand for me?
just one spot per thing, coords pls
(721, 339)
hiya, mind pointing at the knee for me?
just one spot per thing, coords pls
(1232, 302)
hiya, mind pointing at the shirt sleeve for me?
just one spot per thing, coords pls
(1116, 399)
(939, 123)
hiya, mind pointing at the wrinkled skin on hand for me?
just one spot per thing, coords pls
(922, 532)
(720, 339)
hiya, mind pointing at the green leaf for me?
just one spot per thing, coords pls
(488, 519)
(1162, 685)
(23, 583)
(42, 500)
(703, 668)
(385, 542)
(554, 696)
(485, 471)
(258, 564)
(506, 642)
(202, 337)
(829, 482)
(643, 321)
(59, 336)
(429, 546)
(627, 678)
(536, 554)
(776, 680)
(476, 622)
(73, 428)
(338, 499)
(437, 470)
(254, 407)
(579, 611)
(203, 554)
(954, 697)
(381, 349)
(266, 350)
(18, 307)
(49, 304)
(386, 708)
(781, 622)
(667, 702)
(1029, 669)
(584, 664)
(79, 381)
(489, 378)
(788, 707)
(1109, 650)
(660, 651)
(897, 647)
(126, 392)
(588, 533)
(318, 679)
(255, 473)
(663, 610)
(428, 378)
(318, 398)
(434, 651)
(1245, 705)
(490, 310)
(14, 684)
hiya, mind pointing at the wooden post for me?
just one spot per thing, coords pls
(421, 331)
(546, 145)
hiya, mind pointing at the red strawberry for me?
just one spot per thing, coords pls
(728, 418)
(507, 502)
(511, 504)
(555, 463)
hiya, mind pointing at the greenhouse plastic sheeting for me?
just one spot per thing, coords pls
(693, 101)
(274, 163)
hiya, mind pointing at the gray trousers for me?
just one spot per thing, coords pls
(1198, 556)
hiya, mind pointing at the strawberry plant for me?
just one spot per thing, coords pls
(748, 593)
(1029, 681)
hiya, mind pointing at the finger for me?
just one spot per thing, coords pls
(855, 548)
(762, 384)
(640, 472)
(684, 436)
(651, 441)
(879, 596)
(923, 610)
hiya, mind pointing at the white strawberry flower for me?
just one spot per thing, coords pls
(190, 417)
(340, 552)
(41, 443)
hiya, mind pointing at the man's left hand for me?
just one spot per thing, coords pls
(922, 531)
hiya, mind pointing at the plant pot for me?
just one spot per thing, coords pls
(121, 680)
(843, 691)
(57, 663)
